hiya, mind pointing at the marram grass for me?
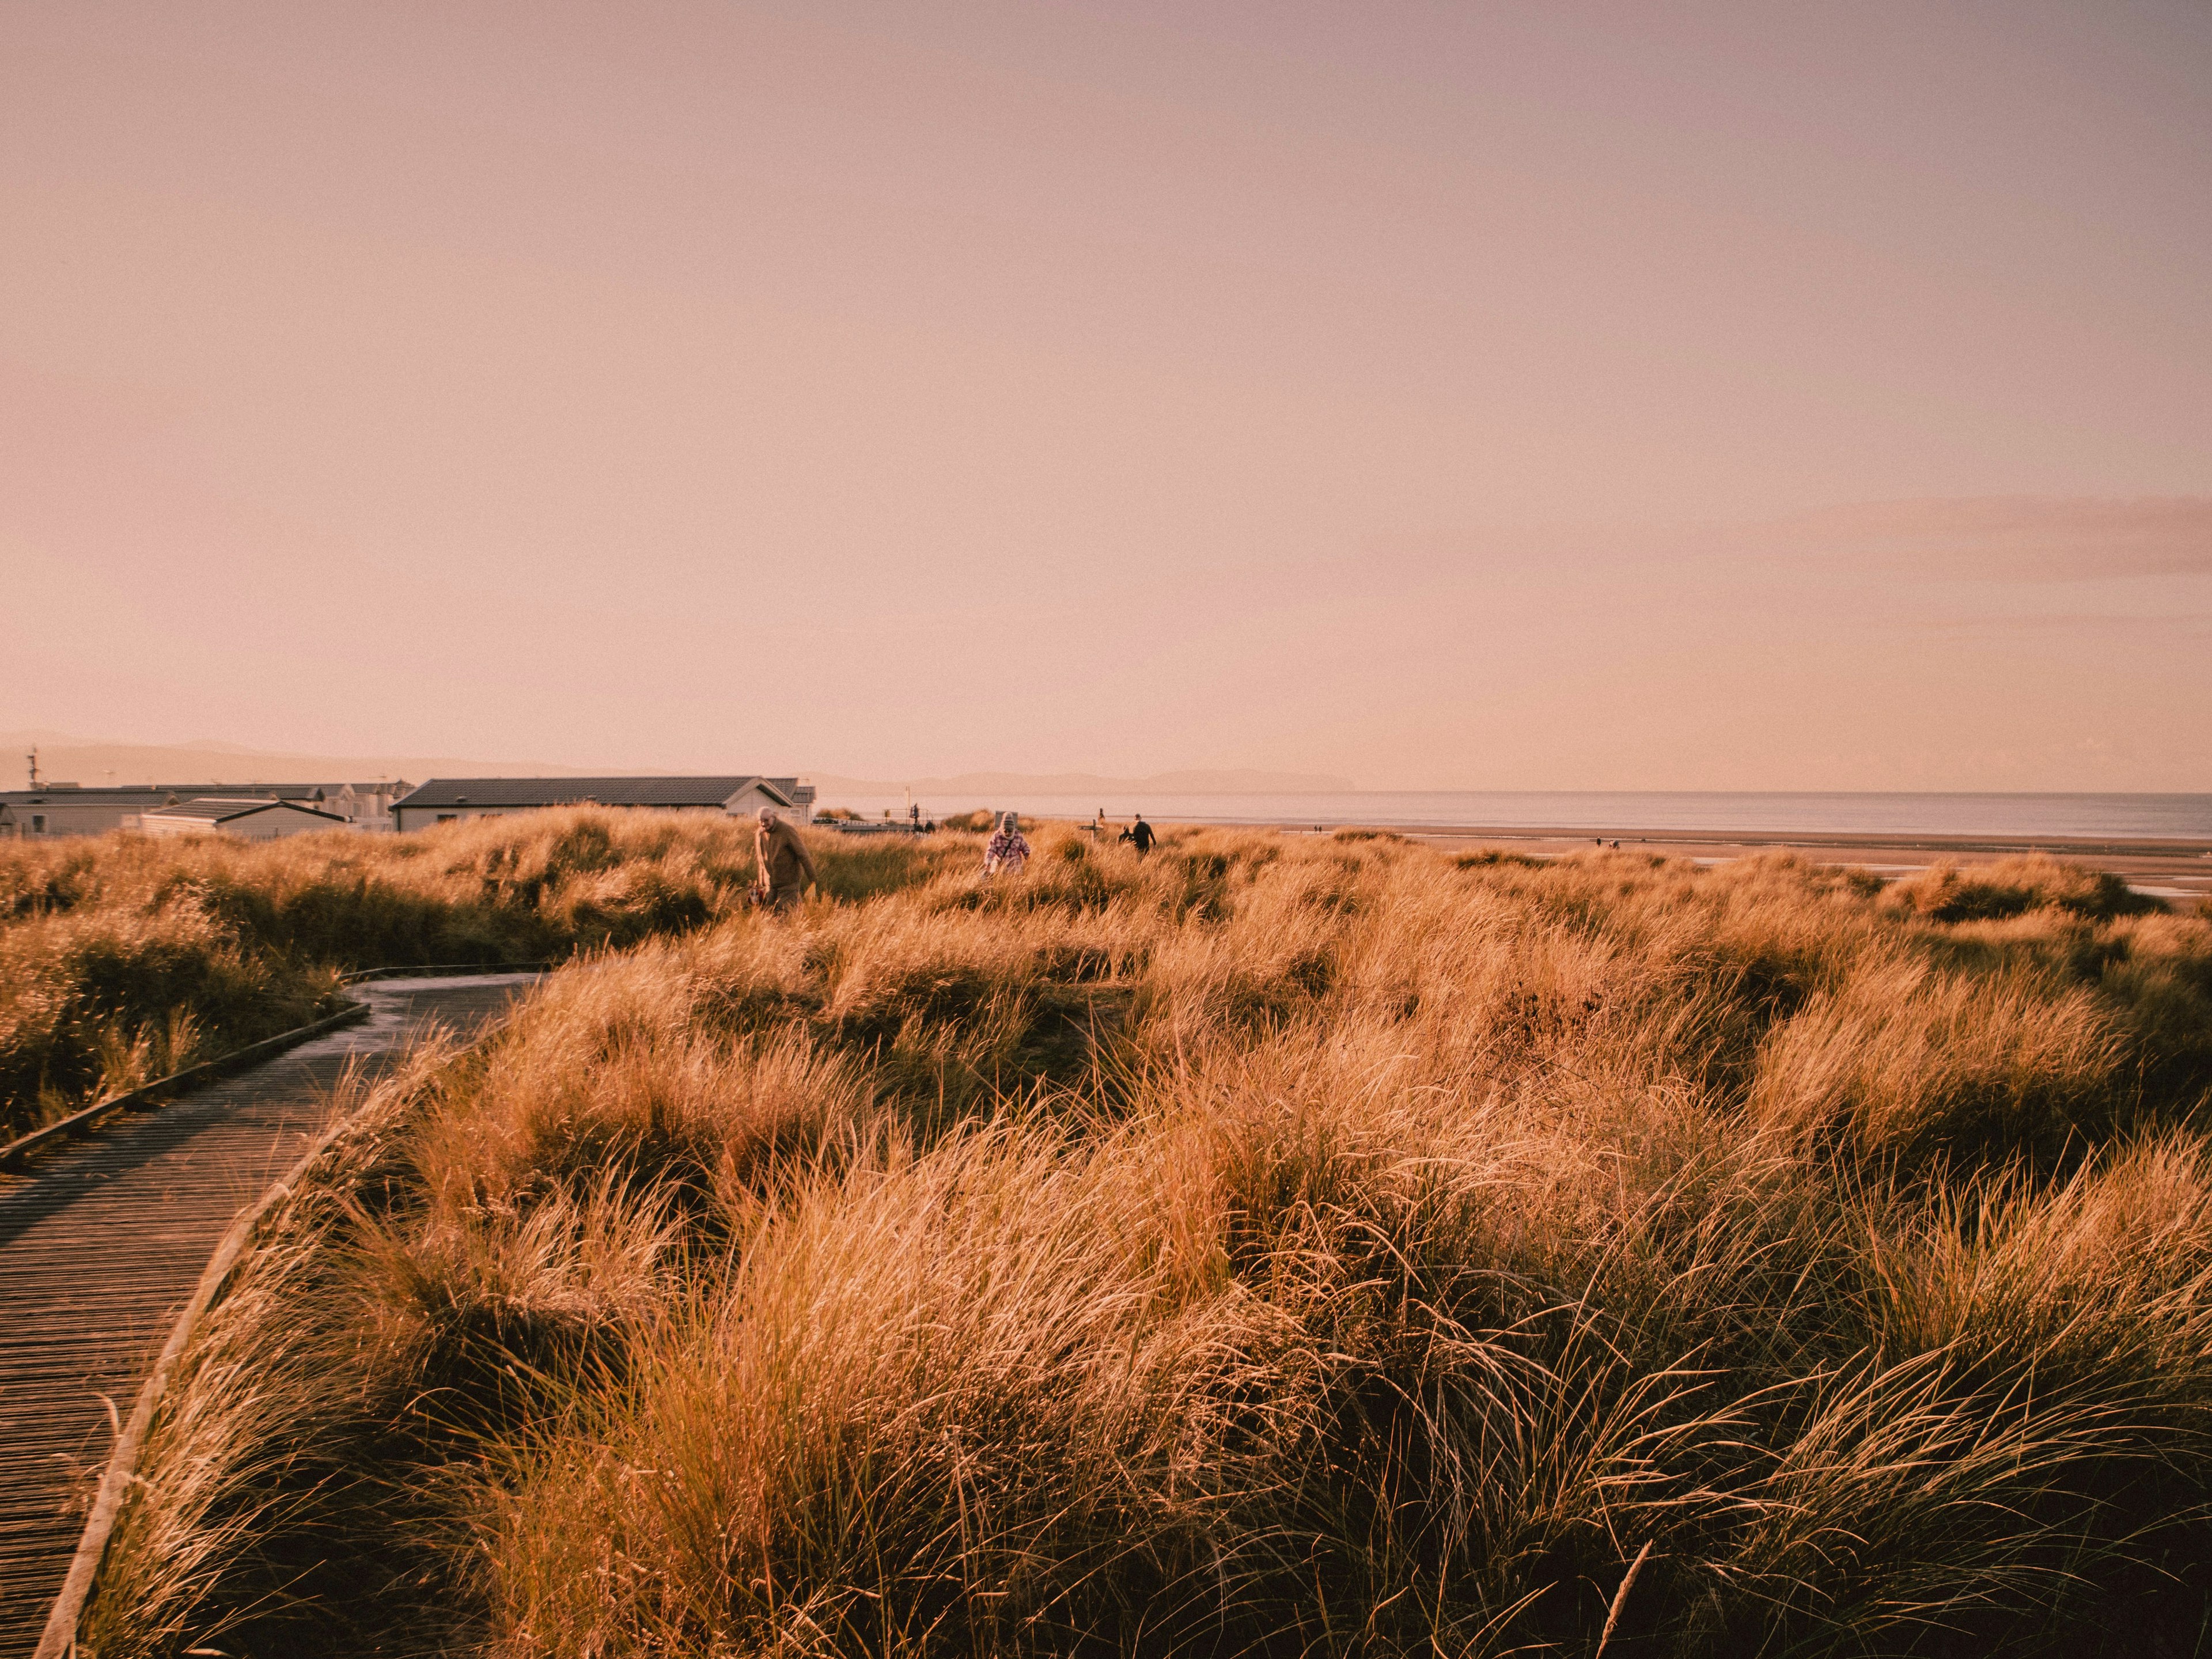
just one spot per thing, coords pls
(124, 958)
(1273, 1247)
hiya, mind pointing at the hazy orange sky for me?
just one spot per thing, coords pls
(1535, 395)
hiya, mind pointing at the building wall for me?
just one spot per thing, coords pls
(150, 825)
(57, 815)
(743, 805)
(424, 818)
(753, 800)
(272, 825)
(277, 824)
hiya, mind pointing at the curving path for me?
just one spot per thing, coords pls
(101, 1246)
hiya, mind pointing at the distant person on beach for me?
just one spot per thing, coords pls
(1141, 833)
(786, 868)
(1005, 853)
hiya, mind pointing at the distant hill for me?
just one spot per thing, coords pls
(1233, 782)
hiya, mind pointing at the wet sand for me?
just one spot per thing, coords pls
(2172, 870)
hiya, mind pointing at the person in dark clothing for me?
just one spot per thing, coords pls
(1141, 833)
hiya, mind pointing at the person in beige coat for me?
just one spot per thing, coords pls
(786, 868)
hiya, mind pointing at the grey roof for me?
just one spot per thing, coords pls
(217, 808)
(606, 791)
(244, 790)
(136, 794)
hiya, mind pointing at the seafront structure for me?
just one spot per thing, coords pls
(448, 800)
(69, 809)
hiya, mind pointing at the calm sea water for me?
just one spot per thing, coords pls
(2152, 818)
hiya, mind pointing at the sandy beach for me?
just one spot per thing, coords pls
(2174, 870)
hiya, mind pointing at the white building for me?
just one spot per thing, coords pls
(247, 820)
(364, 805)
(449, 800)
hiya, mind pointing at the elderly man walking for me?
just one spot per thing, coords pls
(786, 868)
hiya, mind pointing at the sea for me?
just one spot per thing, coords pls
(2108, 817)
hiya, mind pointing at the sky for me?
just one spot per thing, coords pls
(1553, 395)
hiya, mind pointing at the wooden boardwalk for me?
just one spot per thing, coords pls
(101, 1245)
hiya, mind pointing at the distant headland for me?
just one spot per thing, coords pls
(1232, 781)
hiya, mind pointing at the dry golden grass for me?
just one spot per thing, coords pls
(124, 958)
(1267, 1247)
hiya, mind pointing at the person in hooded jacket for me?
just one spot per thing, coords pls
(1005, 853)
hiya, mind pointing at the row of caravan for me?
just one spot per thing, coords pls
(268, 812)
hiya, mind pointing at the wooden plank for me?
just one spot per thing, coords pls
(102, 1246)
(13, 1155)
